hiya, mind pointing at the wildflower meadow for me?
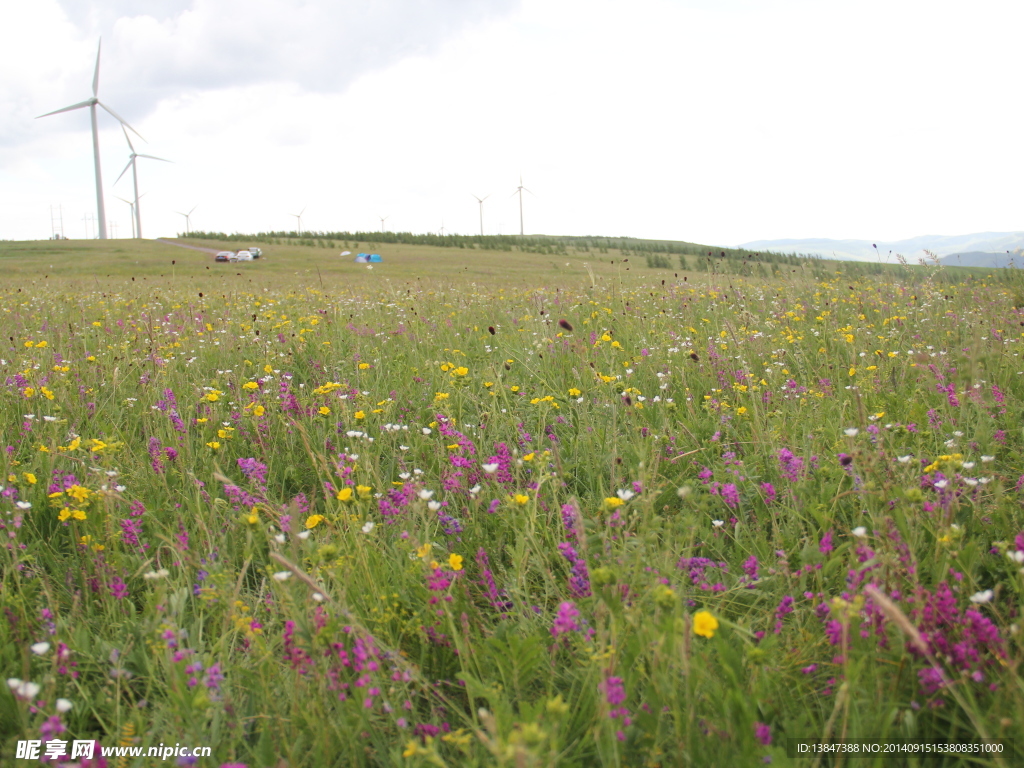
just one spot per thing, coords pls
(643, 518)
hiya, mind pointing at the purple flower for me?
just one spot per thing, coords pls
(613, 690)
(825, 545)
(763, 733)
(565, 620)
(790, 466)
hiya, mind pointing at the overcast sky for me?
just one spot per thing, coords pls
(714, 121)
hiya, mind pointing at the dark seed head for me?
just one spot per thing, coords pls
(490, 329)
(695, 357)
(565, 324)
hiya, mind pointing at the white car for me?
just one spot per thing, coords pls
(243, 256)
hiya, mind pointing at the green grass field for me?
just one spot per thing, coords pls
(479, 507)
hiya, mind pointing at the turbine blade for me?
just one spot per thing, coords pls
(123, 200)
(151, 157)
(485, 197)
(96, 74)
(124, 171)
(193, 208)
(79, 105)
(119, 119)
(130, 145)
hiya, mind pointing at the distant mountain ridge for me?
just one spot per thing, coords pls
(987, 243)
(988, 260)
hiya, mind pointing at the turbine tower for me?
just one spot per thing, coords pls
(481, 201)
(135, 178)
(298, 218)
(519, 191)
(188, 220)
(92, 104)
(382, 220)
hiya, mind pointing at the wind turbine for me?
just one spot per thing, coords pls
(135, 179)
(188, 221)
(481, 201)
(298, 217)
(382, 220)
(132, 206)
(92, 104)
(519, 191)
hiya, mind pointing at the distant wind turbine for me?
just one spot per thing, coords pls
(481, 201)
(131, 205)
(135, 179)
(298, 217)
(382, 220)
(188, 220)
(92, 104)
(519, 191)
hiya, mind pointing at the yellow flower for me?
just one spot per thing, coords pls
(259, 410)
(28, 392)
(78, 514)
(528, 457)
(513, 388)
(704, 624)
(250, 385)
(214, 444)
(363, 491)
(438, 396)
(64, 514)
(488, 383)
(363, 366)
(412, 748)
(29, 478)
(313, 521)
(521, 499)
(324, 410)
(424, 552)
(345, 494)
(73, 445)
(202, 420)
(79, 493)
(455, 562)
(461, 371)
(573, 392)
(224, 434)
(253, 517)
(360, 415)
(213, 397)
(268, 369)
(612, 502)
